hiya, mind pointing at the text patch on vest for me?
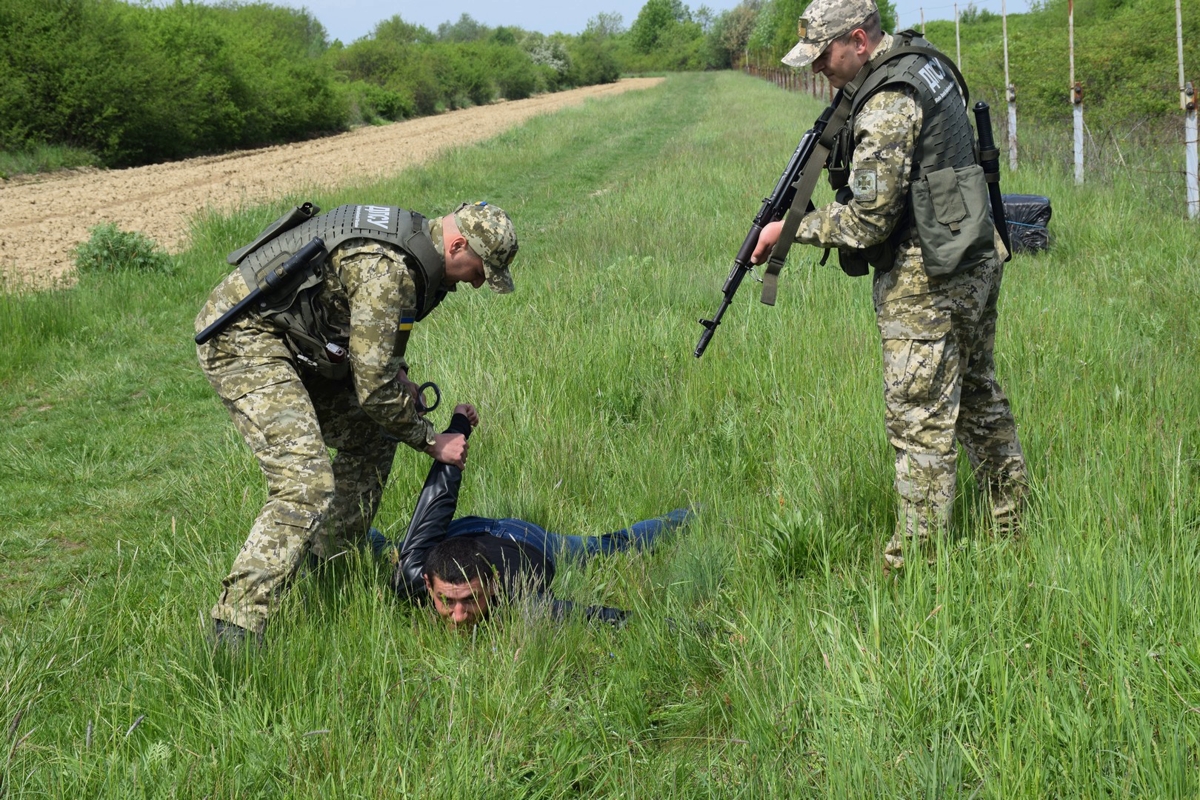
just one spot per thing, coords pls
(377, 218)
(934, 75)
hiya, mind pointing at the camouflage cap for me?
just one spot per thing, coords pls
(490, 233)
(824, 21)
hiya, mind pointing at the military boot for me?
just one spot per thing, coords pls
(232, 638)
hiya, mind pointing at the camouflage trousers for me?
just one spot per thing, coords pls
(940, 389)
(290, 419)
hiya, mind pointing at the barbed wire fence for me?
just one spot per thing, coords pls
(769, 68)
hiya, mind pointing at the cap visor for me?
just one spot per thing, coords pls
(803, 54)
(499, 280)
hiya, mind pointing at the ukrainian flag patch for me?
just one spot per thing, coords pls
(406, 323)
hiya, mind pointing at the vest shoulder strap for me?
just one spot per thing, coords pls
(880, 77)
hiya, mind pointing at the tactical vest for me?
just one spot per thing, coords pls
(945, 155)
(296, 308)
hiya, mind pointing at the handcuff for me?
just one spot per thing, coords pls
(437, 397)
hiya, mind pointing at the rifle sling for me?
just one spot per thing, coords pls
(805, 185)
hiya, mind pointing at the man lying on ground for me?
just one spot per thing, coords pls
(468, 565)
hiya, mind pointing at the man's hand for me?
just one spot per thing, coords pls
(411, 389)
(449, 448)
(468, 411)
(766, 240)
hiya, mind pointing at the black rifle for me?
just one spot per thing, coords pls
(300, 261)
(773, 209)
(989, 159)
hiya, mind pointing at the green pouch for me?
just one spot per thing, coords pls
(953, 219)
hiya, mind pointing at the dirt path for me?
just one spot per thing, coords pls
(42, 218)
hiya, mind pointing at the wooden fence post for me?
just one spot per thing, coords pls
(1010, 92)
(957, 40)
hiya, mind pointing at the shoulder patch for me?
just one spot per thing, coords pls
(864, 185)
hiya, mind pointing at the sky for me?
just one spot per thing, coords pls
(349, 19)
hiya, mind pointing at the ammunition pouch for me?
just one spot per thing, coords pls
(953, 217)
(856, 263)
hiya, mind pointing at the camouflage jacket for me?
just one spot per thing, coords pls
(367, 291)
(885, 136)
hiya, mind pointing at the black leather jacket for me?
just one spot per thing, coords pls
(430, 520)
(431, 523)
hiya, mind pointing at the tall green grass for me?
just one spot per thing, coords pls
(44, 158)
(766, 657)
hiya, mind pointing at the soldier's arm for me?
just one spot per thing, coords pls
(885, 134)
(380, 290)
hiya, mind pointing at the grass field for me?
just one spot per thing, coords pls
(1063, 664)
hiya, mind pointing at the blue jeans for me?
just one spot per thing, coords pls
(639, 536)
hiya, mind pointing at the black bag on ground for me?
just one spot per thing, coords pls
(1028, 220)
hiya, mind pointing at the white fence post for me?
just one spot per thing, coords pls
(1076, 95)
(1010, 92)
(1192, 167)
(1187, 100)
(957, 40)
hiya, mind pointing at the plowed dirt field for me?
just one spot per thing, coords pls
(43, 217)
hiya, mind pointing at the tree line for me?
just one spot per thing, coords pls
(136, 83)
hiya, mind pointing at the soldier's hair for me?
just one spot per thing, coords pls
(456, 561)
(871, 26)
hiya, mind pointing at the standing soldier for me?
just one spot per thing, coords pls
(912, 202)
(320, 364)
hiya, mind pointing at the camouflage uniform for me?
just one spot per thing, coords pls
(938, 335)
(290, 416)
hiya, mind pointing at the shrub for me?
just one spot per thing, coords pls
(111, 249)
(593, 61)
(370, 103)
(515, 74)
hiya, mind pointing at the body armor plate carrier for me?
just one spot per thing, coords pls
(296, 308)
(945, 157)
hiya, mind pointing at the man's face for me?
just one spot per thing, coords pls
(841, 61)
(464, 266)
(460, 604)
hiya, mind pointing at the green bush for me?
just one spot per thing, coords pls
(515, 75)
(370, 103)
(111, 249)
(593, 60)
(135, 83)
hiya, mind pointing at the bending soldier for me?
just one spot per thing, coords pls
(907, 186)
(322, 366)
